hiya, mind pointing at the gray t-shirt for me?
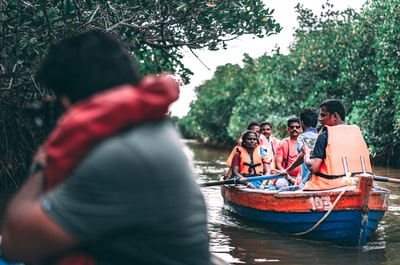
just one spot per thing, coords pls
(134, 200)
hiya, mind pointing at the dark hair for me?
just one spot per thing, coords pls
(309, 116)
(244, 137)
(82, 65)
(334, 105)
(266, 123)
(251, 124)
(293, 119)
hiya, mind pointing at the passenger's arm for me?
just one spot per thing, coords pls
(313, 164)
(296, 163)
(279, 157)
(28, 234)
(235, 171)
(299, 177)
(267, 170)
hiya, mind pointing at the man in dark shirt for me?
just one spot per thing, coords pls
(339, 152)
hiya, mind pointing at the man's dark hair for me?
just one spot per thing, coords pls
(82, 65)
(251, 124)
(293, 119)
(309, 117)
(334, 105)
(266, 123)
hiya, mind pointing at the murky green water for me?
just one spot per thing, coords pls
(238, 241)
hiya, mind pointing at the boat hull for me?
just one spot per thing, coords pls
(345, 217)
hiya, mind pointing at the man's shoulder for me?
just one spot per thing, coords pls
(309, 134)
(283, 144)
(149, 137)
(142, 148)
(309, 137)
(275, 140)
(155, 130)
(322, 137)
(284, 140)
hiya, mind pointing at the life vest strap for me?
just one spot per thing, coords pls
(319, 174)
(251, 175)
(251, 165)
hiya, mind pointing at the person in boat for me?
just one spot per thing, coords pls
(339, 150)
(126, 199)
(248, 160)
(308, 120)
(253, 126)
(271, 145)
(286, 153)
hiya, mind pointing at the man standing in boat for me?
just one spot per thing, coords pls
(340, 150)
(105, 189)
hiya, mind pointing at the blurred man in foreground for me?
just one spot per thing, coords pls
(111, 184)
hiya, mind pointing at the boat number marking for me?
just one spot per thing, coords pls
(320, 203)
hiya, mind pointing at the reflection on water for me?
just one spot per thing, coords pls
(239, 241)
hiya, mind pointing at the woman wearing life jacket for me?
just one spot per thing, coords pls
(248, 161)
(338, 150)
(262, 142)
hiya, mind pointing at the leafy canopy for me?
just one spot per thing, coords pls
(350, 56)
(155, 31)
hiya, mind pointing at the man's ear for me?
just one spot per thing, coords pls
(336, 115)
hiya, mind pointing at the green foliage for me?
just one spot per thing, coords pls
(186, 126)
(379, 112)
(264, 95)
(213, 107)
(339, 54)
(154, 31)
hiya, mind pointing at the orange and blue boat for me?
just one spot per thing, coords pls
(345, 216)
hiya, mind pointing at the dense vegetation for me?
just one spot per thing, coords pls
(354, 57)
(154, 31)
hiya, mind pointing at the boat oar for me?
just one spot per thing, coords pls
(385, 179)
(240, 180)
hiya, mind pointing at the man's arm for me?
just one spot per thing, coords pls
(313, 164)
(235, 166)
(28, 234)
(279, 157)
(296, 163)
(267, 168)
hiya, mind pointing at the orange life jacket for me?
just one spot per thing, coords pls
(345, 149)
(248, 166)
